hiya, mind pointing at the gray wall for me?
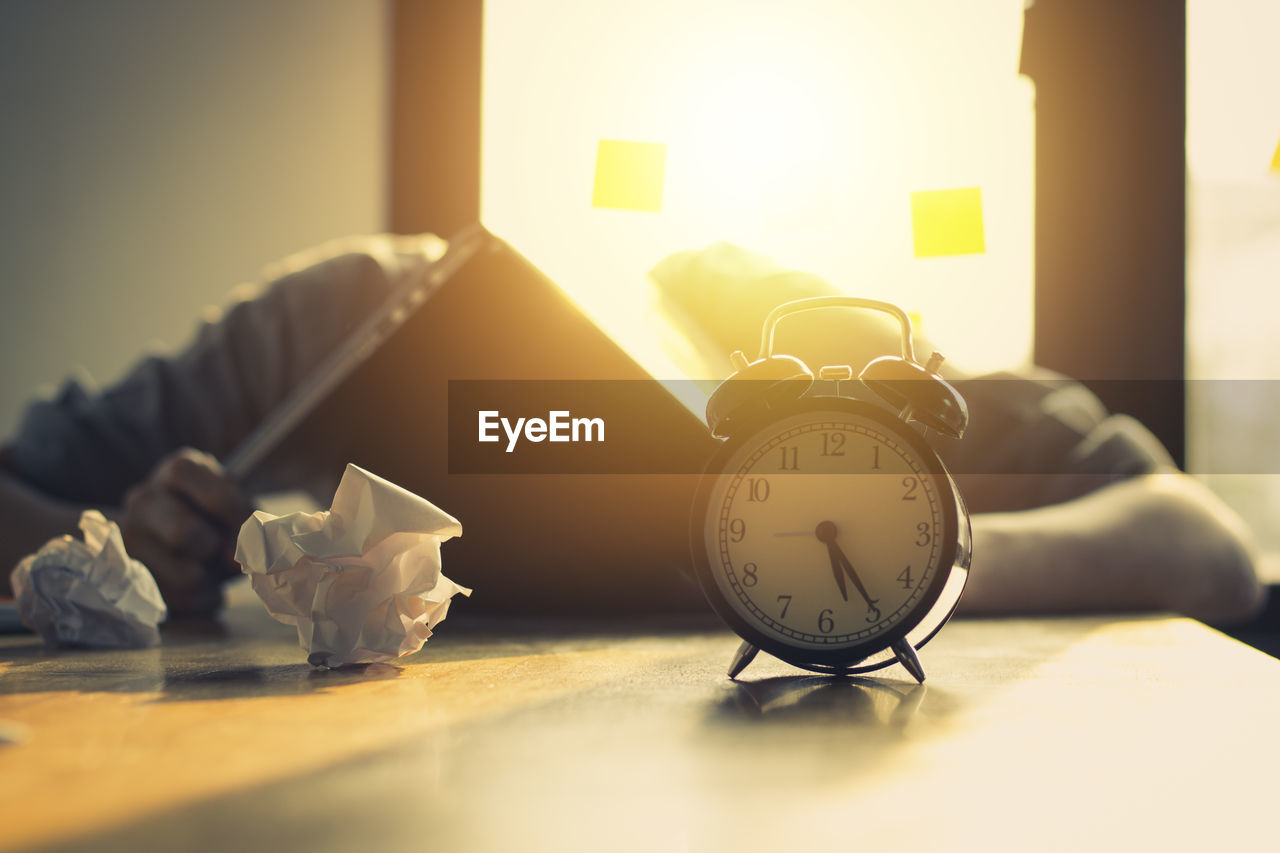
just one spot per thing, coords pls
(154, 153)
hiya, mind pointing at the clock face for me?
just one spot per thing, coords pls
(828, 533)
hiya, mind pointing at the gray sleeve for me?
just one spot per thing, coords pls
(1044, 439)
(91, 447)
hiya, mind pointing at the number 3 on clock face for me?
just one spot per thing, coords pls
(828, 534)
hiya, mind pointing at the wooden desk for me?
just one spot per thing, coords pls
(1072, 734)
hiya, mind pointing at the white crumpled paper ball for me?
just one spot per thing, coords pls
(362, 580)
(89, 593)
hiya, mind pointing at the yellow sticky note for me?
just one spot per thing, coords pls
(947, 222)
(1275, 160)
(630, 175)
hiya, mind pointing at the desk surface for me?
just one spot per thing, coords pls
(1030, 734)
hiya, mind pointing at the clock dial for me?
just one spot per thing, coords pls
(829, 530)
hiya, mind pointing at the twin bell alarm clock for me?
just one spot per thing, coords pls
(826, 531)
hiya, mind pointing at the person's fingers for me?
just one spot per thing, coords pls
(223, 565)
(181, 524)
(186, 584)
(198, 477)
(204, 599)
(158, 514)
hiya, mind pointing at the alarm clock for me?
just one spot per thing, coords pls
(826, 531)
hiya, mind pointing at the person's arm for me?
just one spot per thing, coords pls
(1091, 529)
(26, 517)
(1155, 542)
(126, 450)
(180, 522)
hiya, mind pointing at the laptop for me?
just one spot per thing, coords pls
(604, 535)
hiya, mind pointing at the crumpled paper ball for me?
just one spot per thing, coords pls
(360, 581)
(89, 593)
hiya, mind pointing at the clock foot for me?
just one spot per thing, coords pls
(745, 655)
(908, 658)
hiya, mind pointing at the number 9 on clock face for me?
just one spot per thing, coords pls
(828, 533)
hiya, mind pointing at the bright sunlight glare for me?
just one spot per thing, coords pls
(797, 130)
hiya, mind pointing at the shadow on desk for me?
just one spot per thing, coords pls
(827, 700)
(109, 671)
(245, 654)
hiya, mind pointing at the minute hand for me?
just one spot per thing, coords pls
(839, 559)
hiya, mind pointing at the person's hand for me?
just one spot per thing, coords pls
(182, 523)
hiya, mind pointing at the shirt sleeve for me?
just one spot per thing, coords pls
(1043, 439)
(90, 447)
